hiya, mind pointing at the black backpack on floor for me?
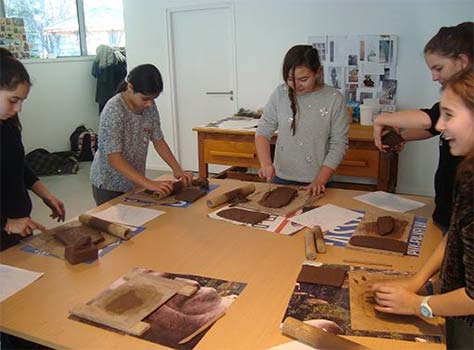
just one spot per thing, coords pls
(45, 163)
(83, 143)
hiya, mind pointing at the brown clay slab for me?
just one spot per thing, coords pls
(380, 243)
(244, 216)
(279, 197)
(190, 194)
(322, 275)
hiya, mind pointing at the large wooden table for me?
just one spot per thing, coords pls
(267, 262)
(236, 148)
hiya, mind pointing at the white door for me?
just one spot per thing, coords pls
(202, 56)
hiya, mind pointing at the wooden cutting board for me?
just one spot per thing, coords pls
(298, 202)
(365, 318)
(368, 227)
(127, 302)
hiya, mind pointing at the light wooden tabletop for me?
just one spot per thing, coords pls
(187, 241)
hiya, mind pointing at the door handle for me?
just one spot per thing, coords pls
(231, 93)
(220, 92)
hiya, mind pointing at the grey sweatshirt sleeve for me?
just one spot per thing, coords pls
(268, 123)
(338, 140)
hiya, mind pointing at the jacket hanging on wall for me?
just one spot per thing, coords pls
(110, 69)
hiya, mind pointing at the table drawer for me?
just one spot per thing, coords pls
(359, 163)
(231, 153)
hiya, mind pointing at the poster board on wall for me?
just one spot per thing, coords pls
(360, 66)
(13, 36)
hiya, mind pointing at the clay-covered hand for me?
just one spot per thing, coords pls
(22, 226)
(163, 187)
(57, 207)
(185, 176)
(316, 187)
(267, 172)
(396, 299)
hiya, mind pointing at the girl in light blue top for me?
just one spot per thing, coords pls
(311, 122)
(128, 122)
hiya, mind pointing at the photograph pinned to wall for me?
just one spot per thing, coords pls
(363, 93)
(320, 44)
(352, 60)
(361, 50)
(368, 80)
(335, 76)
(351, 92)
(352, 75)
(372, 48)
(13, 37)
(384, 51)
(393, 49)
(389, 91)
(337, 50)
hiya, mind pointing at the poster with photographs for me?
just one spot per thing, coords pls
(13, 37)
(360, 66)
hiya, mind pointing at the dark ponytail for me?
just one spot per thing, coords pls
(453, 41)
(12, 74)
(299, 55)
(145, 79)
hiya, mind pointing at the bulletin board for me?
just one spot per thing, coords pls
(13, 37)
(360, 66)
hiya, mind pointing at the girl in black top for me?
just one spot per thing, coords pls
(15, 176)
(447, 53)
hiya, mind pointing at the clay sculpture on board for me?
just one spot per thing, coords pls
(190, 194)
(241, 215)
(279, 197)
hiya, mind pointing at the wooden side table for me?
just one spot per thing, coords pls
(236, 148)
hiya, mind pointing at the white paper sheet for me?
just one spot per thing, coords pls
(389, 201)
(327, 217)
(128, 215)
(15, 279)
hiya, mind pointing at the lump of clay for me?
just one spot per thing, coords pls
(322, 275)
(279, 197)
(245, 216)
(385, 225)
(190, 194)
(381, 243)
(393, 140)
(83, 250)
(71, 235)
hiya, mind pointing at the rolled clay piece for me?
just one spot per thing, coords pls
(82, 251)
(385, 225)
(190, 195)
(279, 197)
(245, 216)
(240, 192)
(319, 237)
(381, 243)
(392, 139)
(309, 247)
(109, 227)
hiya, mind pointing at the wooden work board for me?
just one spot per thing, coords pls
(129, 300)
(365, 318)
(302, 199)
(368, 227)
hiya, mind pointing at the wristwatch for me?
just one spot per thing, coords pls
(425, 309)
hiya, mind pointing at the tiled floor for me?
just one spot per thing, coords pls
(74, 190)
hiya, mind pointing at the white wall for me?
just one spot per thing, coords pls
(265, 29)
(62, 97)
